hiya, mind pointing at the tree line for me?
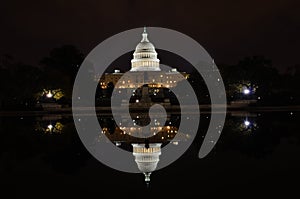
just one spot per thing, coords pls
(22, 85)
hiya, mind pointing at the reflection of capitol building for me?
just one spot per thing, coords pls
(125, 135)
(147, 158)
(145, 69)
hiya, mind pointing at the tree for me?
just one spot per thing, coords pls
(18, 83)
(60, 68)
(254, 72)
(66, 59)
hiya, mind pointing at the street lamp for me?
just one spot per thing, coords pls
(246, 91)
(49, 94)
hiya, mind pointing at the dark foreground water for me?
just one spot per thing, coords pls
(254, 160)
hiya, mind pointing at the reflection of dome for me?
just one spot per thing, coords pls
(147, 158)
(145, 56)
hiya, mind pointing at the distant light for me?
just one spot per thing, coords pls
(246, 91)
(50, 127)
(291, 113)
(247, 123)
(258, 98)
(137, 101)
(49, 95)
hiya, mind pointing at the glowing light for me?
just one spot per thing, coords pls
(246, 91)
(50, 127)
(49, 95)
(137, 101)
(247, 123)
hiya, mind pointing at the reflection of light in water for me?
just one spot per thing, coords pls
(247, 126)
(247, 123)
(50, 127)
(124, 135)
(147, 158)
(161, 134)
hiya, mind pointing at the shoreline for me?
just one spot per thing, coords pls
(172, 109)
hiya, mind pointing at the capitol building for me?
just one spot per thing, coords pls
(146, 82)
(145, 69)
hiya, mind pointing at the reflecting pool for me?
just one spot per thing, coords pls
(257, 154)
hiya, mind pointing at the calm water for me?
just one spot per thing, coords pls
(42, 156)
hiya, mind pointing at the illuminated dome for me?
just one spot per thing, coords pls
(145, 45)
(145, 56)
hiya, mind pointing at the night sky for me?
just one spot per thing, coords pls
(228, 30)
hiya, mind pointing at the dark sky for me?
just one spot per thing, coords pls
(229, 30)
